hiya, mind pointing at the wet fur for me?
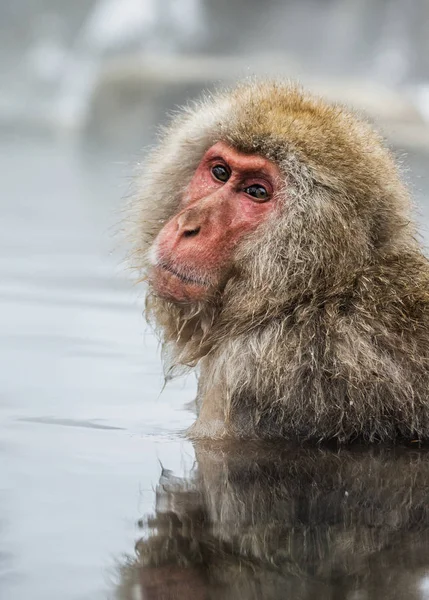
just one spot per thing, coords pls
(321, 329)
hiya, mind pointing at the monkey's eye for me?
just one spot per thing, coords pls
(220, 173)
(258, 192)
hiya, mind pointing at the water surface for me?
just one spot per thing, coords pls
(84, 426)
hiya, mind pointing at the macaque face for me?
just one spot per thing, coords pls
(230, 194)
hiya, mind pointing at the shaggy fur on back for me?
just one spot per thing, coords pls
(321, 330)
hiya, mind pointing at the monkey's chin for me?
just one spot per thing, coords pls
(171, 285)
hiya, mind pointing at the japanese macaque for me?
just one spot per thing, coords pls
(286, 522)
(274, 233)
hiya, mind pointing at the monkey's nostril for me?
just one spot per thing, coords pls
(191, 232)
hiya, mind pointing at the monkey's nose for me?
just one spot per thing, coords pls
(188, 224)
(190, 231)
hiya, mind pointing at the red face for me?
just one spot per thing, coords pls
(230, 194)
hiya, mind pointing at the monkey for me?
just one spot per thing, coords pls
(259, 519)
(275, 236)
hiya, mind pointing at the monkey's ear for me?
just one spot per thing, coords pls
(379, 234)
(388, 228)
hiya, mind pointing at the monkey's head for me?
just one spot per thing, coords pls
(229, 196)
(255, 199)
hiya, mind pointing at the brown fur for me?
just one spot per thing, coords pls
(321, 330)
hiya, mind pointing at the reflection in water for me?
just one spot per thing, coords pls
(274, 523)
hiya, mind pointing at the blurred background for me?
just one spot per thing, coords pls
(108, 70)
(85, 84)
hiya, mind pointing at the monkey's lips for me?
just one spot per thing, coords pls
(178, 285)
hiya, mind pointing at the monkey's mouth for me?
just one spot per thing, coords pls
(185, 278)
